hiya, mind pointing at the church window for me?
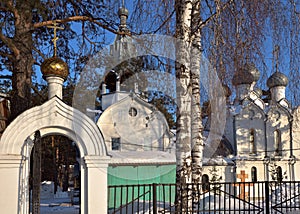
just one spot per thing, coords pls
(132, 112)
(279, 174)
(205, 183)
(115, 144)
(277, 142)
(254, 174)
(252, 142)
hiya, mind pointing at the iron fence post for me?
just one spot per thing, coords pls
(154, 198)
(267, 200)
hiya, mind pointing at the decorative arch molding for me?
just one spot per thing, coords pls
(54, 117)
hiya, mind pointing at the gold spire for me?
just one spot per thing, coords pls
(55, 38)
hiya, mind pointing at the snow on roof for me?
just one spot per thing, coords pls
(142, 157)
(157, 157)
(218, 161)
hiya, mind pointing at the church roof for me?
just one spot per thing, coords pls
(247, 75)
(242, 77)
(277, 79)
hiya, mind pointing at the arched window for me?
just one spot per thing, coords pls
(279, 174)
(277, 142)
(254, 174)
(205, 183)
(252, 142)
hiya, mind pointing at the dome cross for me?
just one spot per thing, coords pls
(55, 38)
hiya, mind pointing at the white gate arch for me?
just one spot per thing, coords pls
(53, 117)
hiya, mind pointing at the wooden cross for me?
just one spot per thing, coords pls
(243, 194)
(55, 38)
(242, 176)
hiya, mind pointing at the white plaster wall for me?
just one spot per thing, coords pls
(148, 130)
(277, 93)
(9, 183)
(278, 119)
(247, 166)
(224, 171)
(296, 141)
(111, 98)
(250, 117)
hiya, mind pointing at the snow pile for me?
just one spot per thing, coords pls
(47, 189)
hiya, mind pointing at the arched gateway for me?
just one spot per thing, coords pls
(53, 117)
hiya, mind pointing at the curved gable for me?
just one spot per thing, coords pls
(137, 123)
(251, 111)
(284, 111)
(54, 117)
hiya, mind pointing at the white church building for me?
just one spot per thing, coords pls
(132, 142)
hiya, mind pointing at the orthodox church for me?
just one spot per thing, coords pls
(131, 142)
(260, 140)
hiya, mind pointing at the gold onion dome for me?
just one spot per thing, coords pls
(55, 66)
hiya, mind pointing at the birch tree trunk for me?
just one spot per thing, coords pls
(196, 121)
(183, 96)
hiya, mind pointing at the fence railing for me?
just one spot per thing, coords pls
(206, 198)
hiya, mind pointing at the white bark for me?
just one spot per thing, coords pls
(183, 96)
(196, 122)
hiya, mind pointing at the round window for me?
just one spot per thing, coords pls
(132, 112)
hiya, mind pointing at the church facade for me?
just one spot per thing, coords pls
(261, 139)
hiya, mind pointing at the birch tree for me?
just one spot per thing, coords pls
(196, 121)
(184, 99)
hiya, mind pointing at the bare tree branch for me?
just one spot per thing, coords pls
(164, 22)
(203, 24)
(80, 18)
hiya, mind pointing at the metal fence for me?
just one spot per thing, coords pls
(207, 198)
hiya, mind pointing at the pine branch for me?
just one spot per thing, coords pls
(9, 42)
(5, 77)
(3, 54)
(7, 7)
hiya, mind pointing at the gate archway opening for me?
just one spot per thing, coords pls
(55, 169)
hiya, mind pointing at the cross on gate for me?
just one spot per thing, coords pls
(243, 194)
(55, 38)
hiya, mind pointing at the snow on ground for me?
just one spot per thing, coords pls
(59, 205)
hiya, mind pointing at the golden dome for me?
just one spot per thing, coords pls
(55, 66)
